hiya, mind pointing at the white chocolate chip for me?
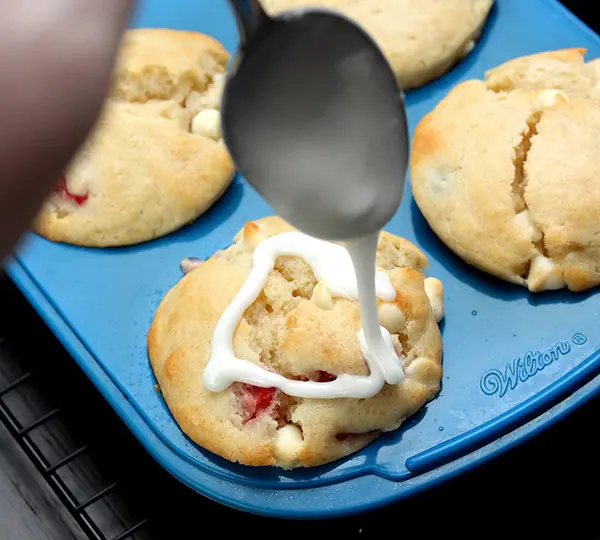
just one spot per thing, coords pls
(424, 371)
(440, 183)
(551, 98)
(207, 124)
(190, 263)
(435, 292)
(288, 443)
(544, 275)
(217, 90)
(391, 318)
(321, 296)
(524, 221)
(470, 45)
(78, 184)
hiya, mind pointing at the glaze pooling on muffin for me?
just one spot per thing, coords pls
(333, 268)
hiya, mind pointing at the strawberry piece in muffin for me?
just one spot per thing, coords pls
(255, 400)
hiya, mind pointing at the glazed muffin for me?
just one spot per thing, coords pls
(297, 329)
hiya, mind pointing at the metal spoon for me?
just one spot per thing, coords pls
(315, 120)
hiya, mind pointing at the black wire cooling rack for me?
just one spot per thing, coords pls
(42, 407)
(51, 472)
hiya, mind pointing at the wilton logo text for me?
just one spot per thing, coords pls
(521, 369)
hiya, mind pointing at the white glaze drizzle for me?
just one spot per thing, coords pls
(333, 265)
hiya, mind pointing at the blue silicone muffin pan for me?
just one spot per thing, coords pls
(514, 362)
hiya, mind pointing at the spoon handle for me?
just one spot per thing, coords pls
(250, 16)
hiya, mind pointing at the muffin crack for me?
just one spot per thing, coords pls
(519, 184)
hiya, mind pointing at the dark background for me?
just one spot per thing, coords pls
(546, 488)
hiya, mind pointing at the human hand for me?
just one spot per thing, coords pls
(56, 58)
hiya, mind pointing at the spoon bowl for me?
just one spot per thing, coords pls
(315, 120)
